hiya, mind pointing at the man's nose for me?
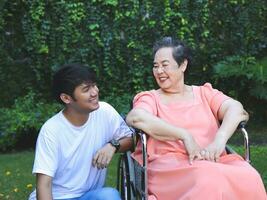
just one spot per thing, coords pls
(94, 91)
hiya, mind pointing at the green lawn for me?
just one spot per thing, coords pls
(16, 180)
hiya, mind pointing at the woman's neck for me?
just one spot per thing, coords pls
(179, 90)
(180, 95)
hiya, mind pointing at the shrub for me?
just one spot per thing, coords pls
(23, 120)
(115, 38)
(122, 103)
(244, 78)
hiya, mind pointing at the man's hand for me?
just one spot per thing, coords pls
(103, 156)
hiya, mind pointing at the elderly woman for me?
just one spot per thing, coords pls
(186, 144)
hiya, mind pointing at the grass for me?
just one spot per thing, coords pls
(17, 182)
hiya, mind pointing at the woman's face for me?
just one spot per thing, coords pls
(166, 70)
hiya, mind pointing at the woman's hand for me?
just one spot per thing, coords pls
(213, 151)
(192, 149)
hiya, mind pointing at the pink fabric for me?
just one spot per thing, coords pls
(170, 177)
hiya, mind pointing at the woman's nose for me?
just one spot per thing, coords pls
(160, 69)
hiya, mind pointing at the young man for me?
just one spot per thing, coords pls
(75, 146)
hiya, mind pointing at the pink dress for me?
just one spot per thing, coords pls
(170, 177)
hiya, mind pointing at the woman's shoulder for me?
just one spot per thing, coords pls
(210, 94)
(206, 88)
(148, 95)
(147, 100)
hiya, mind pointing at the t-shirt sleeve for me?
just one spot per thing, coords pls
(46, 155)
(214, 97)
(117, 124)
(145, 100)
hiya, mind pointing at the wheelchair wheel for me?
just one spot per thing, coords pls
(123, 184)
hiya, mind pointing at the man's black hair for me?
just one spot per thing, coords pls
(68, 77)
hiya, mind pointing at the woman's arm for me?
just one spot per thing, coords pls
(161, 130)
(43, 187)
(231, 113)
(154, 126)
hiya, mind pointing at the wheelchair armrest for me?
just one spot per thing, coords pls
(241, 127)
(143, 139)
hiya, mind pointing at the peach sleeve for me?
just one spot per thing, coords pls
(147, 101)
(214, 97)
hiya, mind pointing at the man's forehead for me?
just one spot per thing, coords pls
(87, 84)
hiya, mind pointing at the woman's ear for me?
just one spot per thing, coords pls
(184, 65)
(65, 98)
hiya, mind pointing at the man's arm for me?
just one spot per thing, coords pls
(44, 187)
(125, 144)
(104, 155)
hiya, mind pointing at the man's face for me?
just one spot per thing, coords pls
(86, 97)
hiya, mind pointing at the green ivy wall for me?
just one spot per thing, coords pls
(115, 37)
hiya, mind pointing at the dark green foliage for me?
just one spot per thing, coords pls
(115, 38)
(244, 78)
(22, 121)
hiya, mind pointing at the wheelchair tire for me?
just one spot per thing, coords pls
(123, 184)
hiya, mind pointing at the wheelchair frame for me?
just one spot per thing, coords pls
(132, 177)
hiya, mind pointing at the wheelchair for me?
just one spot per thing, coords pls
(132, 176)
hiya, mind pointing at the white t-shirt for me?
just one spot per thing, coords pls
(65, 152)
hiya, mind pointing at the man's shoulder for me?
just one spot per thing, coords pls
(106, 107)
(106, 111)
(104, 104)
(53, 123)
(54, 119)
